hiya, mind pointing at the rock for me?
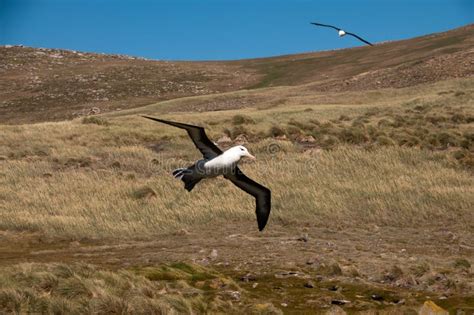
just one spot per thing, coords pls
(254, 285)
(248, 277)
(94, 111)
(303, 238)
(309, 284)
(288, 274)
(339, 302)
(213, 254)
(430, 308)
(376, 297)
(234, 295)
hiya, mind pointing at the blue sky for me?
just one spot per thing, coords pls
(220, 29)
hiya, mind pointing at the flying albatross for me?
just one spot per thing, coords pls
(343, 33)
(215, 163)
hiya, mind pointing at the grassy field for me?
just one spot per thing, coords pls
(372, 196)
(407, 164)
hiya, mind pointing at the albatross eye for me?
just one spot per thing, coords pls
(242, 149)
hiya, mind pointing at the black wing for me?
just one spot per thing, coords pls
(326, 25)
(359, 38)
(208, 149)
(261, 193)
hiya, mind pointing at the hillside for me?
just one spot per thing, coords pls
(368, 152)
(50, 84)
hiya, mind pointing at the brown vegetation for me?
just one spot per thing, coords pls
(371, 182)
(51, 84)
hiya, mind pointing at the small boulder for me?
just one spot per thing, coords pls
(234, 295)
(248, 277)
(303, 238)
(213, 255)
(430, 308)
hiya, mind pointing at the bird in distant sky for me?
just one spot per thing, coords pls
(342, 33)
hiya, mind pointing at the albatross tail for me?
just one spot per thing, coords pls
(187, 176)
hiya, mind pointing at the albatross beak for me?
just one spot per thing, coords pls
(251, 156)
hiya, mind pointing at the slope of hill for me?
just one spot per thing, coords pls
(48, 84)
(393, 64)
(368, 157)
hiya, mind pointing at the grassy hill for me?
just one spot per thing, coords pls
(51, 84)
(368, 153)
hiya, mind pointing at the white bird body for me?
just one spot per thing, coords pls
(215, 163)
(342, 33)
(226, 161)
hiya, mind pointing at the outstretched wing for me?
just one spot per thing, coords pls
(359, 38)
(326, 25)
(197, 134)
(261, 193)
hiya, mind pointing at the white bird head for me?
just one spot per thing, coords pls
(341, 33)
(239, 152)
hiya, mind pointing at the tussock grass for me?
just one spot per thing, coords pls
(242, 119)
(384, 165)
(396, 186)
(95, 120)
(86, 289)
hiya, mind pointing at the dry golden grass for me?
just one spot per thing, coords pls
(107, 178)
(103, 179)
(87, 289)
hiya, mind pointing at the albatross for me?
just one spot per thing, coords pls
(216, 163)
(342, 33)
